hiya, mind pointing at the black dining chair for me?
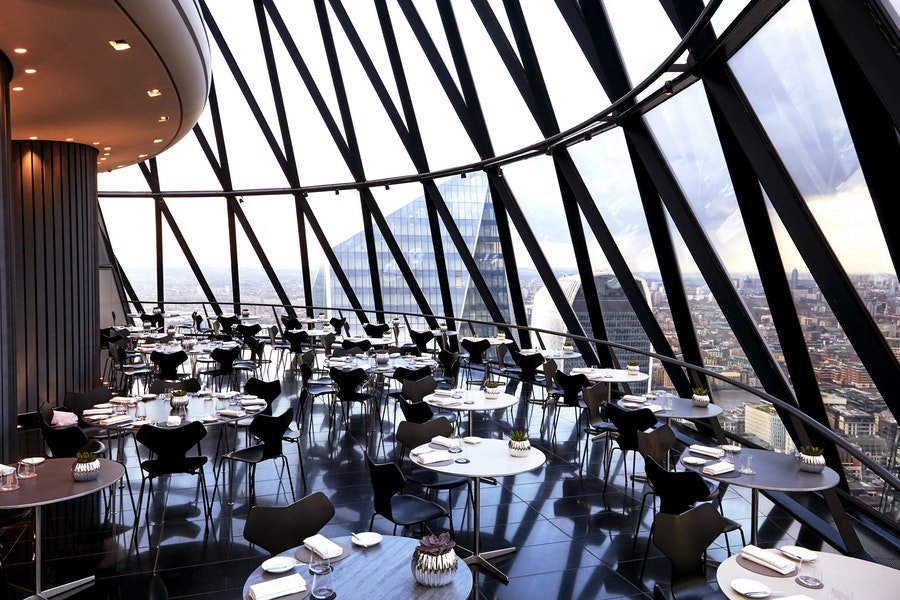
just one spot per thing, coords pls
(628, 423)
(348, 388)
(376, 330)
(568, 396)
(168, 363)
(475, 359)
(279, 528)
(397, 507)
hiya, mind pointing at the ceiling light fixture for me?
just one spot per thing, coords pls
(162, 118)
(32, 137)
(70, 139)
(119, 45)
(154, 93)
(31, 71)
(667, 88)
(20, 50)
(157, 141)
(18, 88)
(462, 175)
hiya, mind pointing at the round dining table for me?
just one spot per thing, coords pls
(773, 471)
(843, 578)
(470, 401)
(379, 572)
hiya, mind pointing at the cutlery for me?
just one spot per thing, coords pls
(359, 540)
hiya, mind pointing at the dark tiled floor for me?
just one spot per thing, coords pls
(574, 540)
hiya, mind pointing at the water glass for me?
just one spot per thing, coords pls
(9, 480)
(747, 465)
(323, 583)
(809, 574)
(317, 564)
(27, 469)
(140, 411)
(454, 444)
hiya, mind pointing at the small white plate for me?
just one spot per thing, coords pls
(34, 460)
(798, 553)
(366, 538)
(148, 396)
(209, 419)
(751, 588)
(103, 405)
(693, 460)
(279, 564)
(472, 439)
(730, 448)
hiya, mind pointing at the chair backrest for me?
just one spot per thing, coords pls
(476, 349)
(677, 490)
(356, 346)
(270, 431)
(227, 324)
(247, 332)
(327, 340)
(77, 402)
(415, 390)
(656, 443)
(571, 386)
(198, 321)
(450, 364)
(684, 537)
(528, 364)
(267, 390)
(594, 397)
(297, 339)
(291, 323)
(308, 357)
(168, 362)
(347, 382)
(421, 339)
(628, 423)
(279, 528)
(225, 358)
(376, 330)
(63, 442)
(403, 373)
(412, 434)
(387, 481)
(340, 325)
(171, 445)
(161, 386)
(415, 412)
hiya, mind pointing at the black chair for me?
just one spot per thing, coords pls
(298, 343)
(167, 364)
(161, 386)
(476, 350)
(568, 396)
(348, 388)
(376, 330)
(411, 435)
(155, 320)
(684, 538)
(598, 426)
(314, 387)
(224, 358)
(391, 503)
(356, 346)
(266, 390)
(421, 339)
(227, 325)
(656, 445)
(449, 369)
(628, 423)
(269, 431)
(340, 325)
(279, 528)
(169, 455)
(65, 442)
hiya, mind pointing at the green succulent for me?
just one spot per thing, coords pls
(518, 436)
(811, 450)
(492, 384)
(700, 391)
(85, 457)
(632, 363)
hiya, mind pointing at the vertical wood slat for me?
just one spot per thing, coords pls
(57, 325)
(8, 407)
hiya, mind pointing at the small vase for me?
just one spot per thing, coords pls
(811, 464)
(520, 448)
(434, 570)
(86, 471)
(382, 358)
(633, 369)
(699, 400)
(567, 349)
(492, 393)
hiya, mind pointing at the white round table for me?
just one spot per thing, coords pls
(471, 401)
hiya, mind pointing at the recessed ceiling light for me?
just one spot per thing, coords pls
(20, 50)
(162, 118)
(119, 45)
(32, 137)
(106, 154)
(154, 93)
(143, 155)
(107, 148)
(96, 143)
(70, 139)
(157, 141)
(102, 158)
(18, 88)
(31, 71)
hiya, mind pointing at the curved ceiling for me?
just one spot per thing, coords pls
(83, 90)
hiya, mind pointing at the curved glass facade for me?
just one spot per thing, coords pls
(458, 159)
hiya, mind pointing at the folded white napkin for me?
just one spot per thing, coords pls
(232, 413)
(275, 588)
(653, 407)
(445, 401)
(633, 398)
(96, 411)
(582, 370)
(173, 421)
(4, 469)
(121, 400)
(252, 402)
(432, 457)
(338, 359)
(441, 440)
(773, 561)
(707, 450)
(443, 392)
(796, 597)
(394, 355)
(62, 418)
(117, 420)
(322, 546)
(420, 450)
(718, 468)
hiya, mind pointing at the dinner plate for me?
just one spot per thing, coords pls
(730, 448)
(34, 460)
(279, 564)
(366, 538)
(472, 439)
(148, 396)
(103, 405)
(798, 553)
(693, 460)
(750, 588)
(209, 419)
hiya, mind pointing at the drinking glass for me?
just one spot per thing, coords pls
(9, 480)
(454, 444)
(809, 575)
(747, 465)
(140, 411)
(318, 565)
(27, 469)
(323, 583)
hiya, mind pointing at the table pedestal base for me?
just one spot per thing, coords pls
(66, 587)
(480, 560)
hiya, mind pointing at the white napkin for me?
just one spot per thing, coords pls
(773, 561)
(275, 588)
(120, 400)
(718, 468)
(116, 420)
(335, 360)
(445, 401)
(432, 457)
(252, 402)
(394, 355)
(173, 421)
(322, 546)
(232, 413)
(796, 597)
(441, 440)
(707, 450)
(443, 392)
(62, 418)
(582, 370)
(96, 411)
(633, 398)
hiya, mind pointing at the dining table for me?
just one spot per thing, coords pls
(375, 572)
(604, 375)
(773, 471)
(672, 407)
(483, 459)
(843, 578)
(52, 484)
(470, 401)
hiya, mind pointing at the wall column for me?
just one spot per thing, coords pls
(8, 401)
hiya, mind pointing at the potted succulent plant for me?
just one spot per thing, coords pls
(86, 467)
(568, 348)
(518, 443)
(492, 390)
(434, 560)
(179, 398)
(700, 396)
(442, 326)
(632, 367)
(501, 335)
(811, 459)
